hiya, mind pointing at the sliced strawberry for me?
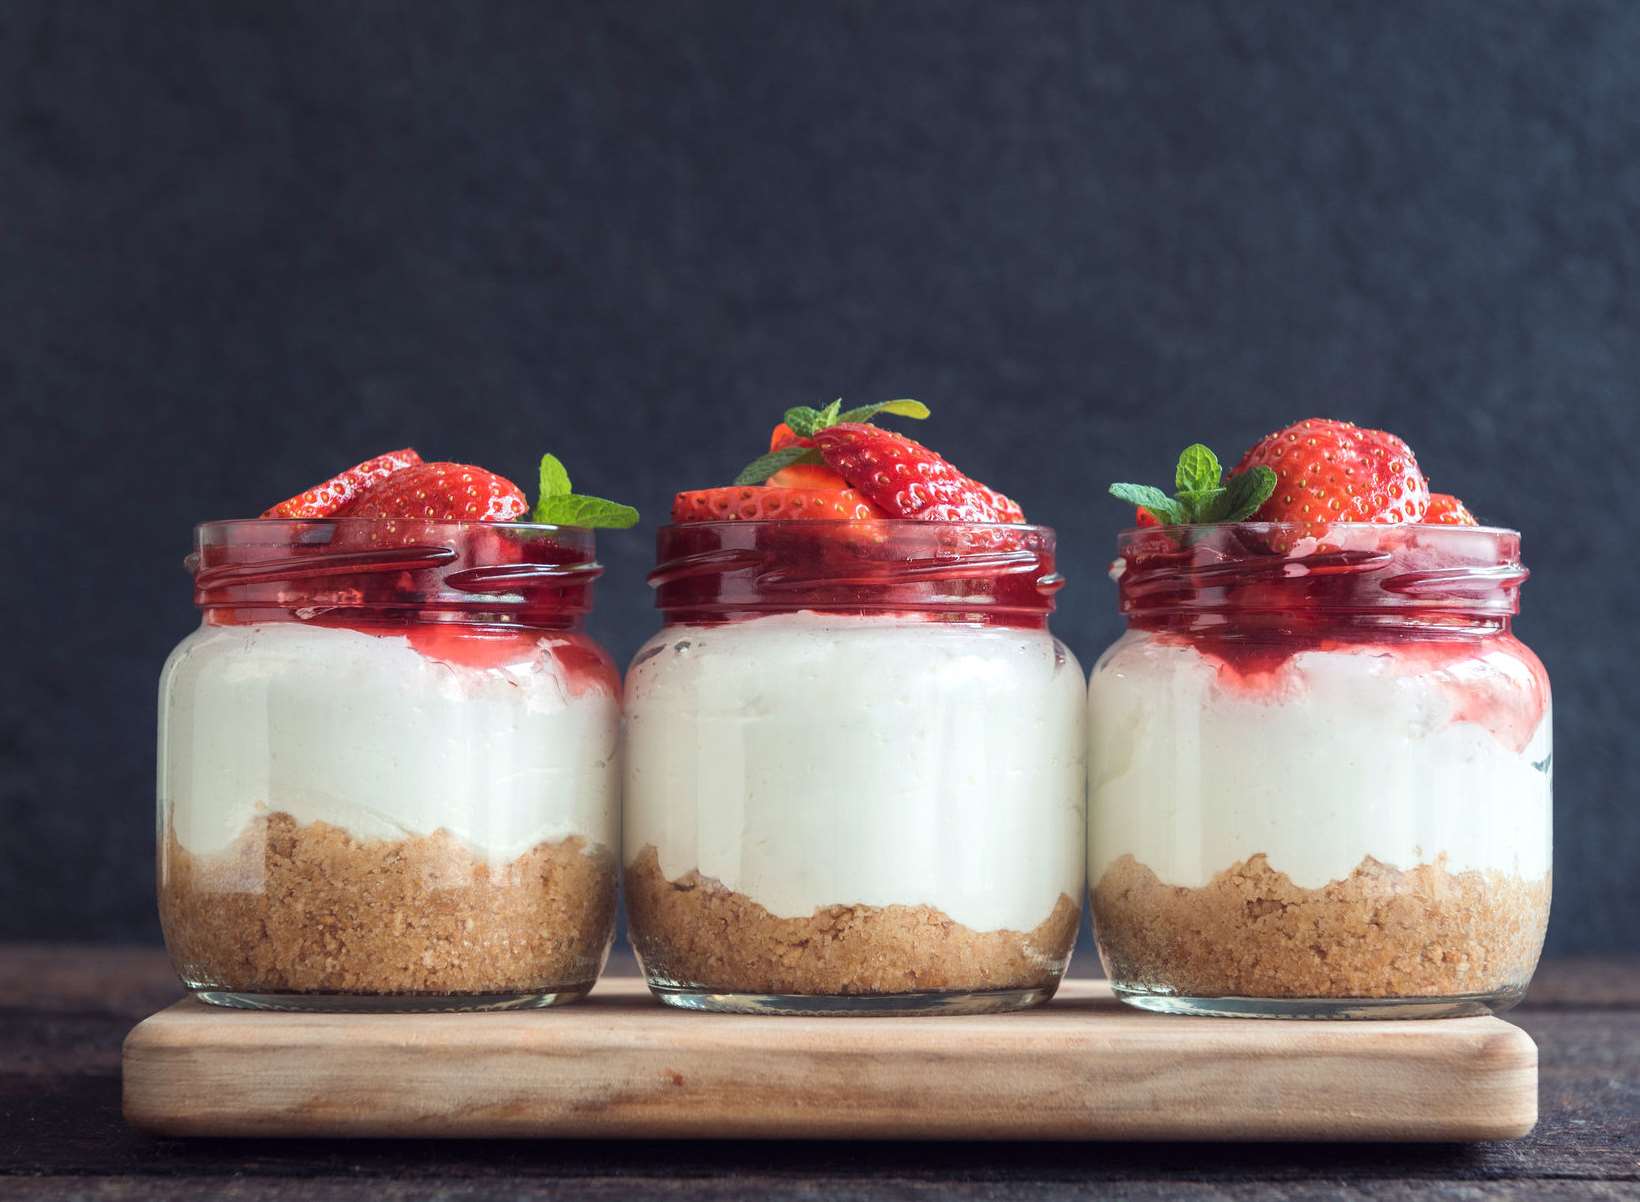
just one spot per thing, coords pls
(907, 480)
(443, 492)
(343, 489)
(1331, 471)
(755, 503)
(1446, 510)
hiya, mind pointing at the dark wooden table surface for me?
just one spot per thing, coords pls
(65, 1009)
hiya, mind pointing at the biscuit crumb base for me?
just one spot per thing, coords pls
(1381, 932)
(695, 933)
(306, 908)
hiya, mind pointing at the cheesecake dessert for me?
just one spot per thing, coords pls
(1320, 761)
(388, 758)
(855, 752)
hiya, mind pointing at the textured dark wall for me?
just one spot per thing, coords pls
(241, 245)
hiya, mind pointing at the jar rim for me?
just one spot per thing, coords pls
(345, 521)
(1001, 572)
(1436, 528)
(1262, 574)
(468, 570)
(908, 524)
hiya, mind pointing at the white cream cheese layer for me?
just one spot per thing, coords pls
(807, 760)
(365, 733)
(1351, 756)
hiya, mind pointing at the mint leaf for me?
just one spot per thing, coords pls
(760, 469)
(1246, 492)
(1198, 470)
(904, 408)
(559, 506)
(1202, 506)
(804, 420)
(1203, 498)
(1159, 505)
(554, 477)
(1197, 480)
(590, 512)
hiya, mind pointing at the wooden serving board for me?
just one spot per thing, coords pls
(620, 1065)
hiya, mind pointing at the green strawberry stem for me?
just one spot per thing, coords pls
(1202, 496)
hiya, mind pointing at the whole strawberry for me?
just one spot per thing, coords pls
(1331, 471)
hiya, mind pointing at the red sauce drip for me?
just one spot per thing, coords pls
(1509, 698)
(473, 595)
(467, 646)
(585, 665)
(588, 667)
(1434, 601)
(1494, 681)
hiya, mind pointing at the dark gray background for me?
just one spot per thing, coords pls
(244, 245)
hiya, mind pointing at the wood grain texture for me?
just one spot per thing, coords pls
(622, 1066)
(65, 1009)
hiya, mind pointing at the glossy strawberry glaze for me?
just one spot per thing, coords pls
(995, 575)
(585, 665)
(1431, 602)
(477, 596)
(1495, 681)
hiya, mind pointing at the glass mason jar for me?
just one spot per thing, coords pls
(854, 770)
(388, 768)
(1320, 774)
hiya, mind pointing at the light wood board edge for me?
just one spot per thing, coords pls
(1084, 1068)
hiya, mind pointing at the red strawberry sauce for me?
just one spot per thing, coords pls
(473, 595)
(1002, 575)
(1434, 601)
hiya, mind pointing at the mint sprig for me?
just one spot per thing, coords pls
(559, 505)
(806, 421)
(764, 466)
(901, 408)
(1246, 492)
(1202, 495)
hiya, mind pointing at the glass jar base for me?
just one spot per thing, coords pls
(983, 1001)
(1465, 1005)
(356, 1003)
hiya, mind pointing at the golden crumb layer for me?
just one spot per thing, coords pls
(696, 933)
(306, 908)
(1381, 932)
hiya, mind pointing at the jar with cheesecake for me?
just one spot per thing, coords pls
(1320, 766)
